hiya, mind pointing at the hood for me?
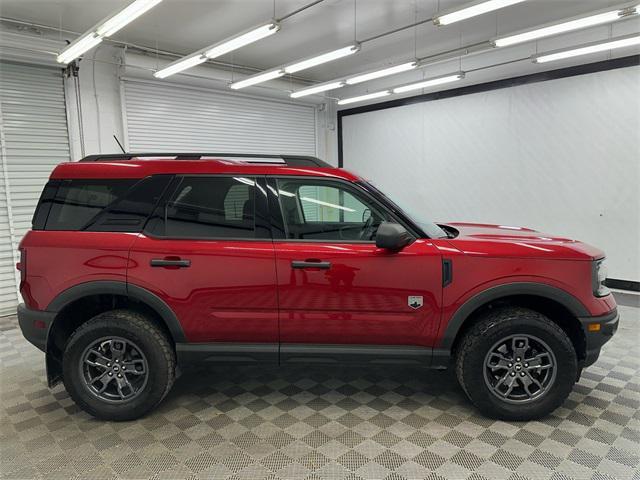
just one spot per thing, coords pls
(500, 240)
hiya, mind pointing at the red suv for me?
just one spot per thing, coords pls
(138, 264)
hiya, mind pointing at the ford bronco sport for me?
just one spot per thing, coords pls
(138, 264)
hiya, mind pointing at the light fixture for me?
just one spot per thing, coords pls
(472, 10)
(324, 58)
(595, 47)
(78, 47)
(180, 65)
(430, 82)
(603, 16)
(105, 28)
(125, 16)
(221, 48)
(255, 79)
(241, 40)
(317, 89)
(365, 77)
(362, 98)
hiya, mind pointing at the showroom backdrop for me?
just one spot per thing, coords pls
(561, 155)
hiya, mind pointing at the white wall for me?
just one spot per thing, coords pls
(562, 156)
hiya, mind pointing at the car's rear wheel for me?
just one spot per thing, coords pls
(516, 364)
(118, 366)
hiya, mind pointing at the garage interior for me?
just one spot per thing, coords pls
(474, 119)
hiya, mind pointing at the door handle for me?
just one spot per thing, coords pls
(310, 264)
(166, 262)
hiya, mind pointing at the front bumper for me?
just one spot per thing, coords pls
(35, 325)
(597, 332)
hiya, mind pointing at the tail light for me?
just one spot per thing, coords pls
(22, 264)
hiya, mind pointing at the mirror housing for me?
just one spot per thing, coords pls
(392, 236)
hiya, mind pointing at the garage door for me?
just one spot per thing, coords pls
(33, 132)
(170, 118)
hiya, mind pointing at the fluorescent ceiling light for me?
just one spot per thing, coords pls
(362, 98)
(241, 40)
(429, 83)
(255, 79)
(218, 49)
(472, 10)
(365, 77)
(575, 23)
(125, 16)
(317, 89)
(595, 47)
(105, 28)
(78, 47)
(324, 58)
(180, 65)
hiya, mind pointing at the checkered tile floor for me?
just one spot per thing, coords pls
(317, 423)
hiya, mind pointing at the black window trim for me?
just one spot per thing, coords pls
(261, 213)
(277, 218)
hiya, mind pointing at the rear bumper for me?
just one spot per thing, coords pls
(35, 325)
(595, 339)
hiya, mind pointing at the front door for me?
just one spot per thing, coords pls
(207, 252)
(334, 285)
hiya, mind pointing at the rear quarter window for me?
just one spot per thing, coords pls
(118, 205)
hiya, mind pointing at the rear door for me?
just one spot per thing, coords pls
(207, 252)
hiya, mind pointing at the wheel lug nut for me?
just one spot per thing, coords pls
(124, 368)
(120, 376)
(526, 364)
(111, 374)
(513, 374)
(522, 374)
(108, 364)
(510, 365)
(517, 359)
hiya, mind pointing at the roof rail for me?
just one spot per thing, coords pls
(286, 160)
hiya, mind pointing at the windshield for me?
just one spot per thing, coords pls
(427, 226)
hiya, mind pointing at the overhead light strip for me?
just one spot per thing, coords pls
(472, 10)
(104, 29)
(590, 48)
(430, 82)
(355, 79)
(365, 77)
(576, 23)
(362, 98)
(218, 49)
(323, 58)
(317, 89)
(255, 79)
(298, 66)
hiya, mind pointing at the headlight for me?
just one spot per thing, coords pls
(598, 278)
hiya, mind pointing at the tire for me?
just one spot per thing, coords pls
(486, 379)
(118, 338)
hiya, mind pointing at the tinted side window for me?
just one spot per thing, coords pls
(325, 210)
(77, 202)
(211, 207)
(129, 213)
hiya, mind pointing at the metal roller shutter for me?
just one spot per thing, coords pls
(174, 118)
(34, 137)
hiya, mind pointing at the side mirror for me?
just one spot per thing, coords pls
(392, 236)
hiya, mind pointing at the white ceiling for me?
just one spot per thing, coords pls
(183, 26)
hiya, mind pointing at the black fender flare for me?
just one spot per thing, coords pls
(568, 301)
(106, 287)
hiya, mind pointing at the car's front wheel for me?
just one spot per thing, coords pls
(516, 364)
(118, 366)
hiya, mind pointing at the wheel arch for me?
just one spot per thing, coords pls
(96, 297)
(560, 306)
